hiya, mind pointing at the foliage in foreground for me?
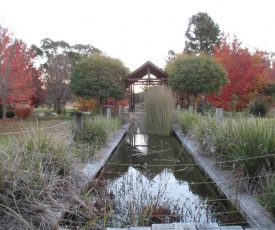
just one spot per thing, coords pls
(268, 198)
(159, 105)
(243, 145)
(129, 203)
(39, 174)
(36, 171)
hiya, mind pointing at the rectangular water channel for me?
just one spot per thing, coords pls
(153, 180)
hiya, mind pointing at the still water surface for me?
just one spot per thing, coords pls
(148, 171)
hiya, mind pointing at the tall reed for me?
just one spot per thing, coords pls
(159, 105)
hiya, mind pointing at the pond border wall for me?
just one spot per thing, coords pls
(248, 206)
(92, 168)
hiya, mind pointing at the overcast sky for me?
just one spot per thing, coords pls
(136, 31)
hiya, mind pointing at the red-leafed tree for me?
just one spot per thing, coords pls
(39, 94)
(247, 74)
(16, 70)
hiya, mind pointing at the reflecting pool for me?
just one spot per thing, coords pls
(153, 180)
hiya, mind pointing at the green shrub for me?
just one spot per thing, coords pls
(159, 105)
(186, 119)
(260, 107)
(96, 130)
(10, 114)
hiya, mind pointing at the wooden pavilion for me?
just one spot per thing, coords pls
(147, 74)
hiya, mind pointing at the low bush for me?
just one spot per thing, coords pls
(10, 114)
(186, 120)
(96, 130)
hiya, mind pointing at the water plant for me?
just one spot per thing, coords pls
(159, 105)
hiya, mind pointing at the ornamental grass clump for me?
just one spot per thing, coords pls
(244, 145)
(35, 176)
(159, 105)
(204, 130)
(250, 147)
(187, 120)
(267, 199)
(96, 130)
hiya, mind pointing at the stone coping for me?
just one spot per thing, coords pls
(103, 154)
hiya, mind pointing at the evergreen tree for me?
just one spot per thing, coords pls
(202, 34)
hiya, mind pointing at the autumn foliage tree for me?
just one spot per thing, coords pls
(247, 74)
(16, 71)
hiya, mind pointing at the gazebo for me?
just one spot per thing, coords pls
(147, 74)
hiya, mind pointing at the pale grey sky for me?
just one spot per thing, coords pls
(136, 31)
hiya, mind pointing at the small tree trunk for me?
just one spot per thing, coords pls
(4, 107)
(4, 103)
(57, 107)
(100, 106)
(195, 102)
(188, 100)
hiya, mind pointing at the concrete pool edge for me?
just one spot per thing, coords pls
(248, 206)
(92, 168)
